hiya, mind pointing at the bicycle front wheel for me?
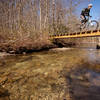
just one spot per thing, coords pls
(93, 25)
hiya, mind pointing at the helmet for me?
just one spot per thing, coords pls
(90, 5)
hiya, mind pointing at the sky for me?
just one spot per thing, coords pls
(95, 11)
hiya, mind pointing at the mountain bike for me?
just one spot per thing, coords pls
(89, 24)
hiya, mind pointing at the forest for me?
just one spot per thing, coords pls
(27, 24)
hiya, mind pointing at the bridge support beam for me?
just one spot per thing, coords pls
(98, 45)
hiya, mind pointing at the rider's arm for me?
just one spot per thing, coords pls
(88, 13)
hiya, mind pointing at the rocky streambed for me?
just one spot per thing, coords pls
(68, 74)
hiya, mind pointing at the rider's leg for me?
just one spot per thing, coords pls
(83, 19)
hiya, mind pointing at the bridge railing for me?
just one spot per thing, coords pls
(94, 32)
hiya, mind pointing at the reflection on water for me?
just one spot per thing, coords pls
(94, 78)
(84, 84)
(94, 55)
(57, 74)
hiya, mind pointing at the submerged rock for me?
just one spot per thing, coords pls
(2, 54)
(4, 95)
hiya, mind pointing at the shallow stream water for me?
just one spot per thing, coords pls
(57, 74)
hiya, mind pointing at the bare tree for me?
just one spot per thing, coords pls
(21, 19)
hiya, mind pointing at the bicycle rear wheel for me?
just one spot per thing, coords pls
(93, 25)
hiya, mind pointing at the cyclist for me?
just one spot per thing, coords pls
(86, 13)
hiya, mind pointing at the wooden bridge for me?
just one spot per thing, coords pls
(94, 33)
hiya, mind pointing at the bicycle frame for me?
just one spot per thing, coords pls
(88, 20)
(89, 24)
